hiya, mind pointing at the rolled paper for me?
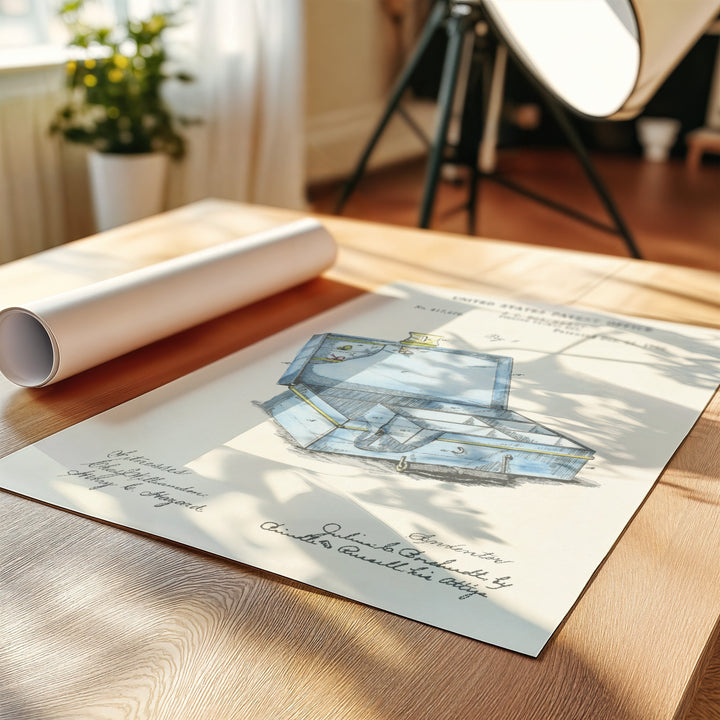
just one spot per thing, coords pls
(50, 339)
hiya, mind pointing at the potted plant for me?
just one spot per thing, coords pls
(115, 106)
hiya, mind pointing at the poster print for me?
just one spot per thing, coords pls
(419, 407)
(463, 461)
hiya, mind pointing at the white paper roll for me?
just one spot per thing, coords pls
(50, 339)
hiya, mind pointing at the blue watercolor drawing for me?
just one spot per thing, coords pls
(419, 407)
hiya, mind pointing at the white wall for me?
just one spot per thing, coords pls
(43, 182)
(353, 54)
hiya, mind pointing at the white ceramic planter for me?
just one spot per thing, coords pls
(657, 135)
(126, 187)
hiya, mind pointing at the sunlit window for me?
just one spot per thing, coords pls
(28, 27)
(23, 23)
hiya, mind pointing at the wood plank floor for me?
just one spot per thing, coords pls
(672, 212)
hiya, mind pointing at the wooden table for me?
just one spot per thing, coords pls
(99, 622)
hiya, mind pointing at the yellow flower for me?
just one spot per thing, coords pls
(90, 80)
(71, 66)
(89, 63)
(115, 75)
(155, 24)
(120, 61)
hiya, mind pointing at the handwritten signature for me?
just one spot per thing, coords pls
(401, 558)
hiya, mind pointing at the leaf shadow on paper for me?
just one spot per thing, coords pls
(618, 418)
(350, 549)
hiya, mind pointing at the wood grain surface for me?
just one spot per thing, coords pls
(98, 622)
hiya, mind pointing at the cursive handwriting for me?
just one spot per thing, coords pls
(398, 557)
(430, 539)
(130, 472)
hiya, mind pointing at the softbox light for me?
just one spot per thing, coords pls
(602, 58)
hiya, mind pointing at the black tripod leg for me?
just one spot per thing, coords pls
(473, 192)
(483, 89)
(456, 27)
(577, 145)
(434, 21)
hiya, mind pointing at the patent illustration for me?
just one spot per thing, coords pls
(418, 407)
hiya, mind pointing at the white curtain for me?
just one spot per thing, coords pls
(248, 60)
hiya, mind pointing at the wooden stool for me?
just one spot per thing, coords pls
(701, 141)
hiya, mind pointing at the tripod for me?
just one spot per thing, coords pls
(460, 18)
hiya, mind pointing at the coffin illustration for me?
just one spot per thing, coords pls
(419, 407)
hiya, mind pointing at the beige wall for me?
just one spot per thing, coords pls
(352, 56)
(348, 44)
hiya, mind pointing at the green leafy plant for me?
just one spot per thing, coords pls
(115, 102)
